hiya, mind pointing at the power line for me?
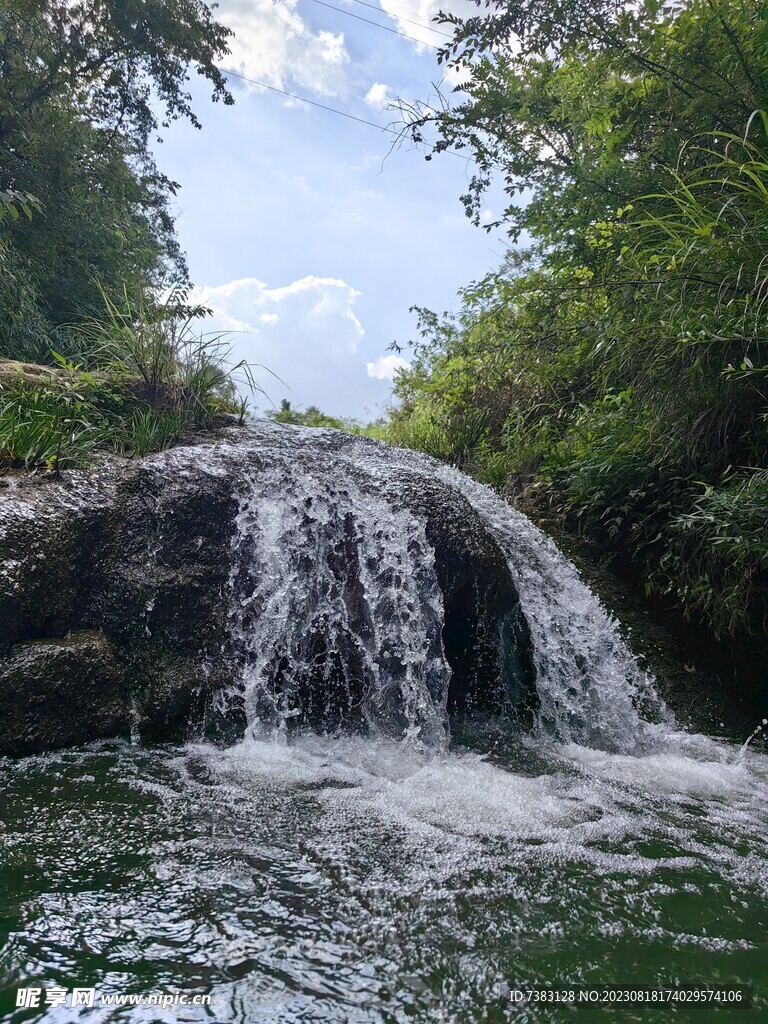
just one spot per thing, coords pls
(332, 110)
(312, 103)
(376, 24)
(400, 17)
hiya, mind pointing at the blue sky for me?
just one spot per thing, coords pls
(306, 238)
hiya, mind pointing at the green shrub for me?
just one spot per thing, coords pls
(134, 383)
(47, 426)
(716, 561)
(626, 373)
(24, 332)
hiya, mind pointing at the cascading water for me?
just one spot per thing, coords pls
(591, 688)
(334, 588)
(344, 863)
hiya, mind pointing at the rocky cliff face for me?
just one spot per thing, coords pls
(120, 590)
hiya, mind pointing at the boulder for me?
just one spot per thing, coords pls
(60, 692)
(117, 590)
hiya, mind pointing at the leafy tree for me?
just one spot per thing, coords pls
(112, 56)
(580, 106)
(617, 369)
(24, 331)
(104, 218)
(81, 87)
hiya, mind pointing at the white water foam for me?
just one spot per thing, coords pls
(329, 579)
(464, 792)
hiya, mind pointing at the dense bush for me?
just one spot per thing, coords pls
(617, 369)
(632, 392)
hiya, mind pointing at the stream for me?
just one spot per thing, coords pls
(417, 867)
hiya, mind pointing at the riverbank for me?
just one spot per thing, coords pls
(138, 389)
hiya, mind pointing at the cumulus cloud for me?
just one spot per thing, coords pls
(406, 12)
(318, 306)
(273, 44)
(378, 96)
(386, 367)
(306, 333)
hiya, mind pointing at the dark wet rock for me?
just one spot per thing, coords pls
(47, 559)
(486, 637)
(116, 589)
(138, 557)
(57, 692)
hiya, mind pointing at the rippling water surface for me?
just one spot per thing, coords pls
(356, 880)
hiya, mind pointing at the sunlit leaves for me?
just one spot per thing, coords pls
(13, 203)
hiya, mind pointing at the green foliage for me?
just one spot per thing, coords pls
(579, 107)
(63, 422)
(85, 227)
(455, 435)
(177, 367)
(12, 203)
(617, 369)
(83, 207)
(152, 430)
(716, 563)
(134, 382)
(25, 333)
(105, 221)
(310, 417)
(48, 426)
(133, 340)
(123, 55)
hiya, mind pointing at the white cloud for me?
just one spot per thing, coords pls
(274, 45)
(386, 367)
(378, 96)
(313, 306)
(406, 12)
(306, 333)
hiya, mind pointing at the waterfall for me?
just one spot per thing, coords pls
(333, 588)
(301, 618)
(591, 688)
(336, 610)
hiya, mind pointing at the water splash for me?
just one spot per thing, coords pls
(333, 579)
(755, 732)
(336, 611)
(591, 688)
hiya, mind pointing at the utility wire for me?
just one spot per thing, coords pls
(376, 24)
(332, 110)
(400, 17)
(312, 103)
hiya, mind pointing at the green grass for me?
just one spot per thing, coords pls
(134, 382)
(51, 427)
